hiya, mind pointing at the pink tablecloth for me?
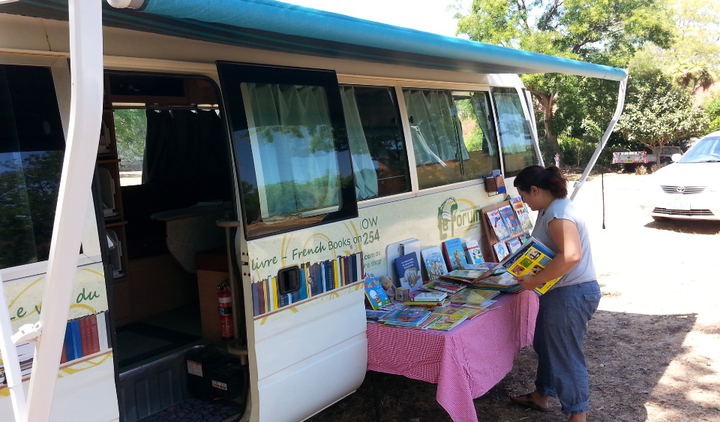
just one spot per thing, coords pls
(465, 362)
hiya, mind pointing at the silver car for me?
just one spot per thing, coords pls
(690, 187)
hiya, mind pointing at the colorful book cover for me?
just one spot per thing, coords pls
(374, 315)
(447, 322)
(465, 275)
(532, 257)
(405, 317)
(454, 253)
(408, 269)
(509, 219)
(445, 286)
(434, 262)
(473, 252)
(375, 293)
(496, 222)
(514, 244)
(523, 214)
(501, 250)
(473, 296)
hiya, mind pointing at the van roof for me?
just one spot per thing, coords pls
(278, 26)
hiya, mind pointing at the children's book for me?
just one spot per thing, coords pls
(514, 244)
(394, 251)
(454, 254)
(508, 217)
(498, 225)
(501, 250)
(473, 252)
(375, 293)
(408, 269)
(531, 258)
(434, 262)
(405, 317)
(523, 214)
(473, 296)
(468, 310)
(445, 286)
(463, 275)
(373, 315)
(448, 322)
(429, 297)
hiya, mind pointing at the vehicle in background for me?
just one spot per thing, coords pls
(631, 159)
(690, 187)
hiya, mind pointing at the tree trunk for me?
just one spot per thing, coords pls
(547, 103)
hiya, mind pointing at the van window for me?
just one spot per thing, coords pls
(291, 145)
(515, 138)
(376, 141)
(32, 144)
(453, 137)
(130, 134)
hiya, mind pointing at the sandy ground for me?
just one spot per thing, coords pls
(653, 348)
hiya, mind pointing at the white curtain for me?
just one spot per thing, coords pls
(434, 127)
(514, 134)
(366, 182)
(482, 111)
(293, 148)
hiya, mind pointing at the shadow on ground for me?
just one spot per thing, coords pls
(627, 354)
(686, 226)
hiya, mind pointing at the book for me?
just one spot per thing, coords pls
(89, 335)
(447, 322)
(468, 310)
(454, 254)
(473, 252)
(405, 317)
(445, 286)
(408, 269)
(375, 294)
(498, 225)
(508, 216)
(429, 296)
(73, 342)
(514, 244)
(473, 296)
(373, 315)
(523, 214)
(394, 251)
(501, 250)
(102, 324)
(434, 262)
(531, 258)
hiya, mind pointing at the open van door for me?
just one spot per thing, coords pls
(295, 181)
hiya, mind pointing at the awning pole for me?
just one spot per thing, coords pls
(606, 136)
(86, 103)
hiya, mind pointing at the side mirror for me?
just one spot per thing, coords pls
(676, 157)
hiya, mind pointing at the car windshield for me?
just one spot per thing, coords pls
(707, 150)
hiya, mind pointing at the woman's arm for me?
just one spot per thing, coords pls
(567, 239)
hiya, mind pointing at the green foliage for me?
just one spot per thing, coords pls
(575, 152)
(130, 133)
(658, 112)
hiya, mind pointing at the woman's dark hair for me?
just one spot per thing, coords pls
(548, 178)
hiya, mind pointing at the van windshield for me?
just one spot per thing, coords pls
(707, 150)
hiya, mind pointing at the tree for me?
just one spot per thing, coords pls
(659, 112)
(600, 31)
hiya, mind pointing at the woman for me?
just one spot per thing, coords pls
(568, 306)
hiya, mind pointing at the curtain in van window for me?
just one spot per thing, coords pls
(293, 148)
(482, 111)
(515, 138)
(366, 181)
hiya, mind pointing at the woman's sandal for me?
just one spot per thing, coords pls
(528, 401)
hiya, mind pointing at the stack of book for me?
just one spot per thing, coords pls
(405, 317)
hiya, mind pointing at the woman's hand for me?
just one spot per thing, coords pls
(528, 282)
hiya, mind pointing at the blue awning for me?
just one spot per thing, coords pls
(278, 26)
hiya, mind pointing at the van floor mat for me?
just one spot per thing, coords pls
(199, 410)
(139, 341)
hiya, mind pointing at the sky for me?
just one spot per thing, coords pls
(424, 15)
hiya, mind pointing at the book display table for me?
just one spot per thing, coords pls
(464, 362)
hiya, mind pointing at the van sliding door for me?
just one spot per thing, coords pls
(302, 283)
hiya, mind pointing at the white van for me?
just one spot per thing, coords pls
(276, 150)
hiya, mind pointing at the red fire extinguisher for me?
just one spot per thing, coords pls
(227, 331)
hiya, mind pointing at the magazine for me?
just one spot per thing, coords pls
(501, 250)
(448, 322)
(473, 296)
(514, 244)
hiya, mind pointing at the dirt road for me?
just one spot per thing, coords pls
(653, 348)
